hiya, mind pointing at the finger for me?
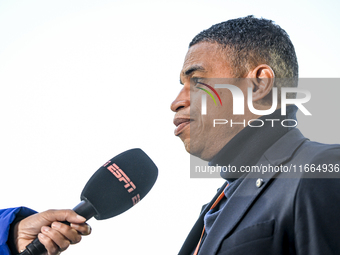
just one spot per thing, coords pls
(82, 228)
(63, 215)
(71, 234)
(60, 240)
(51, 247)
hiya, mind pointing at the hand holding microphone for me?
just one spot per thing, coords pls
(54, 235)
(114, 188)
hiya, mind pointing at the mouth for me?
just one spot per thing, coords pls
(181, 124)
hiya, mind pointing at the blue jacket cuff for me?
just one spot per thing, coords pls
(7, 216)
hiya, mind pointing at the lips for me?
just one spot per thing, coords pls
(181, 124)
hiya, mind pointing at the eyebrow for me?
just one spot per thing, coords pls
(192, 69)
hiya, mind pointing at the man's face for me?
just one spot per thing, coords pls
(203, 61)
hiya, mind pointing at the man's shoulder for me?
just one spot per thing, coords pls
(317, 152)
(303, 158)
(321, 146)
(299, 146)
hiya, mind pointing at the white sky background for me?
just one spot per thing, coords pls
(82, 81)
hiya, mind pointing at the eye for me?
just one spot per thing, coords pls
(197, 81)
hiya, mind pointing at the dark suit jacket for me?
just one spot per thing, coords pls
(291, 214)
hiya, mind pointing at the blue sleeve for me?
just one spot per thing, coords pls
(7, 216)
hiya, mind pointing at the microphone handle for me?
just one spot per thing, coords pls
(84, 208)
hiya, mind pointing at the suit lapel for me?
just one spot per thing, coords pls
(195, 233)
(233, 212)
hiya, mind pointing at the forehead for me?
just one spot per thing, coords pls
(206, 58)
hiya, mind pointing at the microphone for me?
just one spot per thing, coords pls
(114, 188)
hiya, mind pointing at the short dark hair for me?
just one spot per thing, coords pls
(249, 42)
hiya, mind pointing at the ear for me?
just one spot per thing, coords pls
(262, 81)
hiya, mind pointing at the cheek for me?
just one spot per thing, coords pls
(224, 111)
(195, 107)
(201, 127)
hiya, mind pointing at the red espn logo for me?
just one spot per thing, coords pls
(121, 176)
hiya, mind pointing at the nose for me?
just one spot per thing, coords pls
(182, 100)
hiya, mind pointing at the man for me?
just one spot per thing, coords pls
(276, 212)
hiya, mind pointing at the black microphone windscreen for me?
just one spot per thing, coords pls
(120, 183)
